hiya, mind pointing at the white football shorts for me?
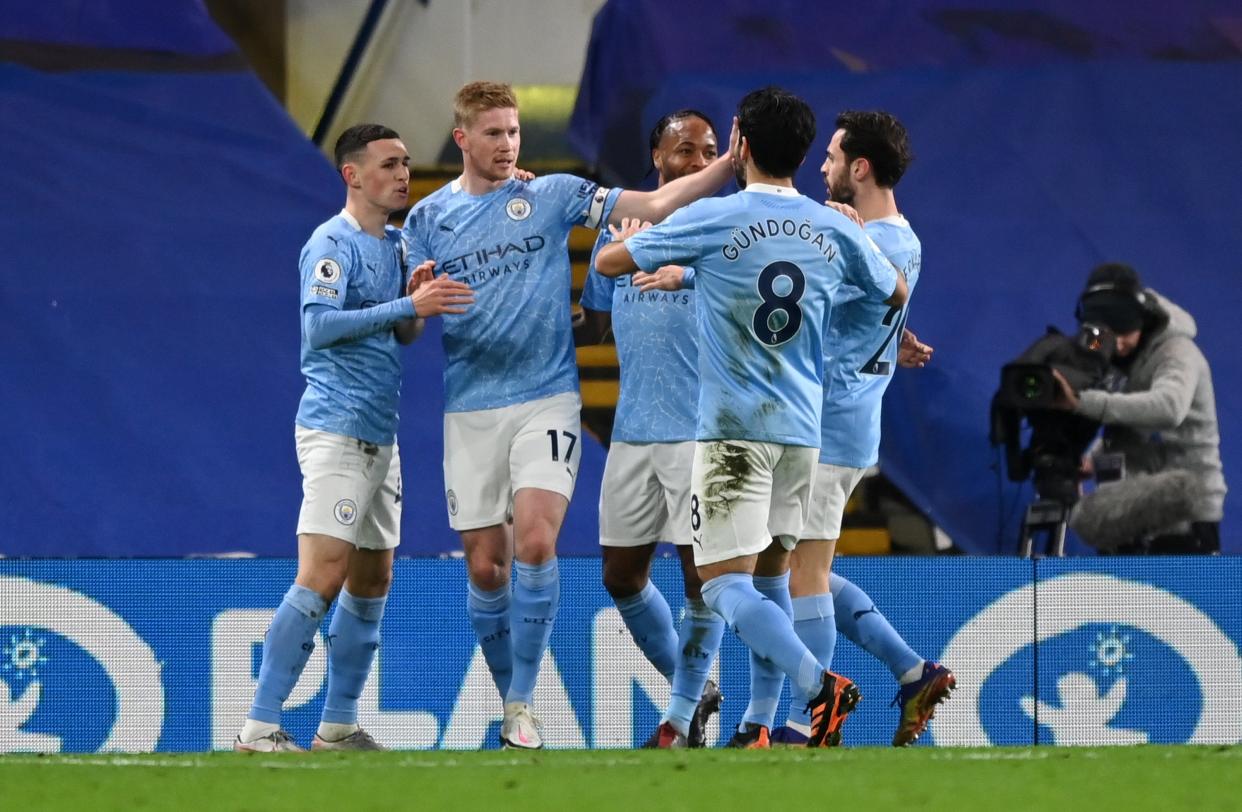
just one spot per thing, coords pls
(744, 494)
(491, 454)
(645, 495)
(832, 489)
(351, 489)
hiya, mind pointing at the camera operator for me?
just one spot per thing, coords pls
(1162, 489)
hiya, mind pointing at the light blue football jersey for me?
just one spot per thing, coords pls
(657, 345)
(515, 343)
(352, 388)
(863, 338)
(768, 264)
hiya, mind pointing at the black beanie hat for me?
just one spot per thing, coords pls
(1113, 298)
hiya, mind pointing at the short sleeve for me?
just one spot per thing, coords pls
(866, 267)
(678, 240)
(598, 289)
(584, 202)
(325, 272)
(414, 239)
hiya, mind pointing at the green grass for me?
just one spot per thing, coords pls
(962, 780)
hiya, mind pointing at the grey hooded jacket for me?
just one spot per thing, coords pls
(1165, 419)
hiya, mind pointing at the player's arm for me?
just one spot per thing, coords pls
(327, 326)
(901, 293)
(615, 259)
(431, 298)
(666, 277)
(658, 204)
(868, 269)
(912, 353)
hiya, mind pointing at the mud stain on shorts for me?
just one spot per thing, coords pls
(724, 481)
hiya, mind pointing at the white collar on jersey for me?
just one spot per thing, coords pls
(455, 186)
(769, 189)
(349, 218)
(895, 220)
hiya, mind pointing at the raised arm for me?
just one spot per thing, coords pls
(614, 259)
(656, 205)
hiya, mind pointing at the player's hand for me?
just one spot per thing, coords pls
(629, 227)
(441, 295)
(666, 277)
(847, 210)
(424, 273)
(912, 353)
(1066, 397)
(523, 175)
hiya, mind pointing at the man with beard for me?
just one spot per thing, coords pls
(769, 264)
(866, 157)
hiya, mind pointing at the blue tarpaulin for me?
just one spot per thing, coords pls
(150, 343)
(152, 221)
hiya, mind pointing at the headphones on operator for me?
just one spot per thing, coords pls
(1126, 289)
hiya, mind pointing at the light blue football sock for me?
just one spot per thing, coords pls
(697, 645)
(536, 595)
(764, 627)
(489, 615)
(815, 624)
(861, 622)
(286, 648)
(650, 622)
(353, 638)
(766, 678)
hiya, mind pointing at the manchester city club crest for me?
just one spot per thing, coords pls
(345, 511)
(518, 209)
(452, 502)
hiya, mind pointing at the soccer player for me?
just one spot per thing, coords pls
(355, 316)
(866, 157)
(645, 495)
(512, 411)
(768, 265)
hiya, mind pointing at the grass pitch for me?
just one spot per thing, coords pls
(962, 780)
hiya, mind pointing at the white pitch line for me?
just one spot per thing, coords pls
(552, 760)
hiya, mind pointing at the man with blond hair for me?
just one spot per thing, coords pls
(512, 410)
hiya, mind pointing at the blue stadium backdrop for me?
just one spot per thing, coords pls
(162, 655)
(151, 330)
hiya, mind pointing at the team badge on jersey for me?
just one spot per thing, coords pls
(326, 270)
(518, 209)
(345, 511)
